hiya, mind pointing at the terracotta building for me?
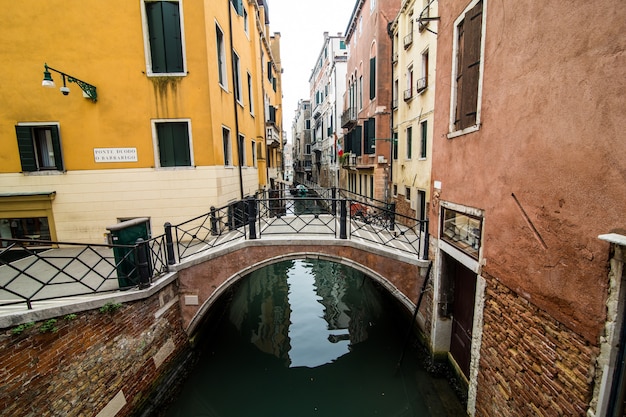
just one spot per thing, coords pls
(367, 102)
(528, 170)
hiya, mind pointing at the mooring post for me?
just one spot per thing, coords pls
(213, 221)
(169, 244)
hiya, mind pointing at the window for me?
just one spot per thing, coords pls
(39, 147)
(165, 37)
(35, 228)
(228, 161)
(369, 133)
(409, 141)
(424, 138)
(254, 157)
(173, 143)
(372, 78)
(246, 22)
(466, 68)
(250, 94)
(360, 92)
(407, 194)
(237, 75)
(238, 5)
(462, 231)
(221, 57)
(242, 150)
(395, 190)
(307, 149)
(424, 71)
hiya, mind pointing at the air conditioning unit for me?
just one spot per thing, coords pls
(382, 159)
(421, 85)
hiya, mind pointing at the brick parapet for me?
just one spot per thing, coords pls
(77, 369)
(530, 364)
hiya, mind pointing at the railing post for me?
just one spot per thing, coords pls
(251, 202)
(392, 214)
(143, 265)
(169, 244)
(334, 203)
(343, 219)
(213, 221)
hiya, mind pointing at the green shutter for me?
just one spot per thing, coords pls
(370, 134)
(356, 144)
(154, 12)
(173, 37)
(166, 145)
(166, 48)
(26, 148)
(372, 78)
(56, 147)
(174, 144)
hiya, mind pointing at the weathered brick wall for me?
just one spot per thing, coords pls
(403, 207)
(77, 369)
(530, 364)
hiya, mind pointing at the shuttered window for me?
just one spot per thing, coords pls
(238, 5)
(166, 47)
(369, 132)
(39, 148)
(173, 138)
(424, 139)
(468, 67)
(372, 78)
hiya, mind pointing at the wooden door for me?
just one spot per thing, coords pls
(462, 315)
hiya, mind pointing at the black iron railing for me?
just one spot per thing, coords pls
(76, 269)
(69, 269)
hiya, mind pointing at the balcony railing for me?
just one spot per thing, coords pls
(349, 118)
(422, 83)
(408, 94)
(408, 40)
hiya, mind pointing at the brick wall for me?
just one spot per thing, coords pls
(90, 359)
(530, 364)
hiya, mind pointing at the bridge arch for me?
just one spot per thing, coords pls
(203, 280)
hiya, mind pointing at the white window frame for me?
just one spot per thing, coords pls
(254, 154)
(452, 133)
(146, 40)
(230, 148)
(155, 144)
(237, 81)
(250, 93)
(241, 147)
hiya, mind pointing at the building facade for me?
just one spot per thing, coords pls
(177, 109)
(301, 141)
(527, 173)
(366, 116)
(414, 54)
(327, 86)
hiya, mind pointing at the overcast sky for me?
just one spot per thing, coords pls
(302, 25)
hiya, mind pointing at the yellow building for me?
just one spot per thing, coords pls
(168, 113)
(414, 53)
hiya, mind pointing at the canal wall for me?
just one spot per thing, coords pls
(102, 361)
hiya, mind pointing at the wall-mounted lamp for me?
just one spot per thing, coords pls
(89, 91)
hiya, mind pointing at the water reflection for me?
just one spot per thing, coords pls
(308, 338)
(305, 313)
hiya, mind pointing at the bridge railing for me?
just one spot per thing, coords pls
(46, 270)
(75, 269)
(215, 228)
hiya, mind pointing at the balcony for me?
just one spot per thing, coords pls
(394, 57)
(349, 118)
(272, 136)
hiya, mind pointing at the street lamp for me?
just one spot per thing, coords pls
(89, 91)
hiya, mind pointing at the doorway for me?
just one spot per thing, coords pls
(462, 291)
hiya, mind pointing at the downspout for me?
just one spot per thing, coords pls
(232, 70)
(391, 138)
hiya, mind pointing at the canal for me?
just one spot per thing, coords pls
(310, 338)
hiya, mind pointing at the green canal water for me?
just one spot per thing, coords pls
(310, 338)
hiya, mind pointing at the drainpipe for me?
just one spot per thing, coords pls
(391, 139)
(232, 70)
